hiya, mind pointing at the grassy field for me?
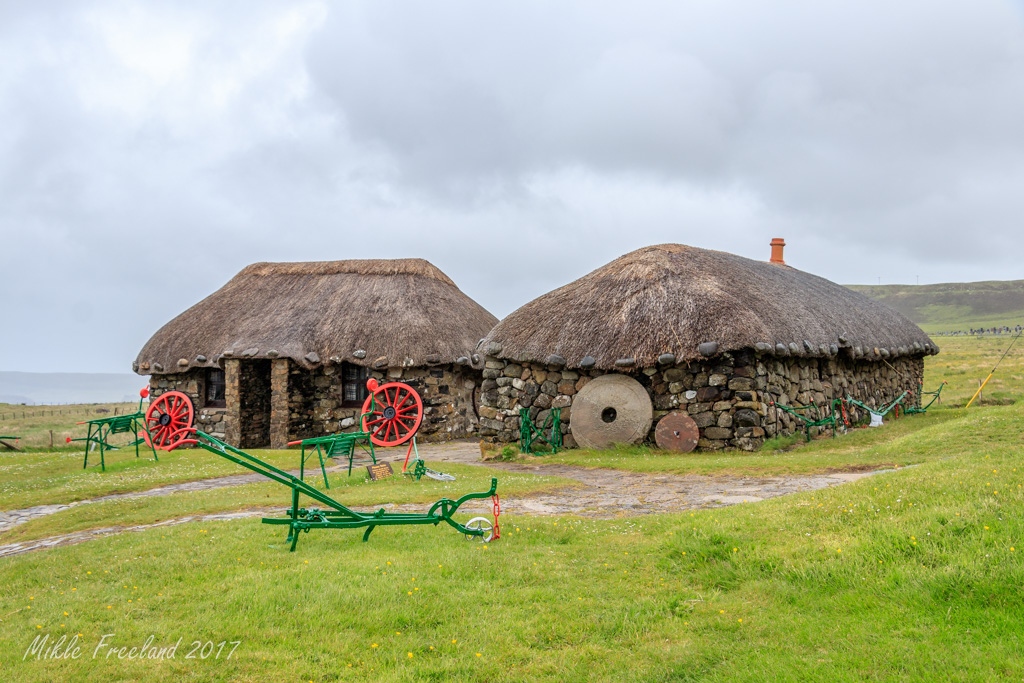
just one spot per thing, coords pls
(909, 575)
(34, 424)
(954, 306)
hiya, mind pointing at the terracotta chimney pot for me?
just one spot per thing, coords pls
(777, 244)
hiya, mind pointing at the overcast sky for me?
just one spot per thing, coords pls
(150, 150)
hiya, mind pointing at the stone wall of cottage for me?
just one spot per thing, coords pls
(316, 406)
(272, 402)
(728, 396)
(193, 384)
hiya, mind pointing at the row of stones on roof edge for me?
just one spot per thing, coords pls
(311, 359)
(711, 349)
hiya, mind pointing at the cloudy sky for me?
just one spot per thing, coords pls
(150, 150)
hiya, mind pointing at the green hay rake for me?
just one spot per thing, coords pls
(529, 434)
(102, 429)
(10, 446)
(880, 413)
(337, 516)
(815, 416)
(920, 408)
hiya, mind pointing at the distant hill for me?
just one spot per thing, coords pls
(69, 387)
(954, 305)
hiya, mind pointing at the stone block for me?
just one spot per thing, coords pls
(673, 374)
(513, 370)
(718, 433)
(717, 380)
(708, 394)
(741, 384)
(706, 419)
(746, 417)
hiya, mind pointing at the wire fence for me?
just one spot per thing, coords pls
(69, 411)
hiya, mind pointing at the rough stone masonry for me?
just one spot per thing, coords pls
(727, 396)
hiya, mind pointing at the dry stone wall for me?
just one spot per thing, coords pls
(728, 396)
(192, 384)
(316, 406)
(273, 402)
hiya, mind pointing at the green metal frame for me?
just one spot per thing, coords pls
(302, 519)
(529, 434)
(884, 410)
(820, 419)
(9, 446)
(101, 429)
(338, 446)
(920, 408)
(419, 466)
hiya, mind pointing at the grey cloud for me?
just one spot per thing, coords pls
(149, 151)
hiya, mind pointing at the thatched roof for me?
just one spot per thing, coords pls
(405, 311)
(672, 299)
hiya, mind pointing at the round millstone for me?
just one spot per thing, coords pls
(611, 409)
(677, 432)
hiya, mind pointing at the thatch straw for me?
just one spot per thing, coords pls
(672, 298)
(405, 310)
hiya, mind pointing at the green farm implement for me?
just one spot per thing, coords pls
(920, 406)
(391, 415)
(165, 417)
(420, 469)
(335, 515)
(878, 414)
(10, 446)
(529, 433)
(816, 416)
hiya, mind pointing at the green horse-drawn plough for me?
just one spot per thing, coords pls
(385, 421)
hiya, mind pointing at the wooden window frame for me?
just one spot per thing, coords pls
(361, 375)
(207, 384)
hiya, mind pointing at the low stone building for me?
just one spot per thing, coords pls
(283, 350)
(709, 334)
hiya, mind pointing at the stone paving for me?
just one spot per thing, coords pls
(601, 494)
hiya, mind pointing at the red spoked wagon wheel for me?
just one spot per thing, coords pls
(396, 415)
(166, 420)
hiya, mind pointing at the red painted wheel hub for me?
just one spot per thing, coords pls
(396, 415)
(167, 420)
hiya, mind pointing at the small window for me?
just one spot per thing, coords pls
(215, 389)
(353, 384)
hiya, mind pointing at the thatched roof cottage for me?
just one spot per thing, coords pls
(705, 333)
(283, 350)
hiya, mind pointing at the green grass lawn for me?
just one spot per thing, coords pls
(909, 575)
(28, 479)
(355, 491)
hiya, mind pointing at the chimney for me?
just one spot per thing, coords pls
(777, 244)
